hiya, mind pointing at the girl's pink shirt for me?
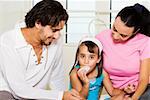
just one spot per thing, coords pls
(122, 60)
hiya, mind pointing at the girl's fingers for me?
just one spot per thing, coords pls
(75, 93)
(75, 96)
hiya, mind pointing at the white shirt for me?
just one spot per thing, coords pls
(22, 76)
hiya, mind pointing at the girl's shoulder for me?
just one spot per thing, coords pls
(77, 67)
(74, 71)
(100, 77)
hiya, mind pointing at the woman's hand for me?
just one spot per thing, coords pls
(130, 88)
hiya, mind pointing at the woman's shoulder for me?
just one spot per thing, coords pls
(142, 36)
(103, 34)
(140, 39)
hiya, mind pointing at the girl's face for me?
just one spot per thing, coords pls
(86, 58)
(121, 32)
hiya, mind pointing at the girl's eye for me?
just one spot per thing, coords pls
(82, 56)
(91, 57)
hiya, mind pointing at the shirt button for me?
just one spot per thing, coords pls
(34, 55)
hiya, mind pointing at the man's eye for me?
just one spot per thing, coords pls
(54, 30)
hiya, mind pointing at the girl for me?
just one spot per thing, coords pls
(86, 74)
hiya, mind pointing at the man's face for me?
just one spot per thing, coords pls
(49, 34)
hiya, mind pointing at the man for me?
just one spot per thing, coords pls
(31, 56)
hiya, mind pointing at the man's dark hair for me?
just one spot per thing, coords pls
(46, 12)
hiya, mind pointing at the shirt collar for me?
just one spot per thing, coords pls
(20, 40)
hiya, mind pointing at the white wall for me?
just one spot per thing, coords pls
(11, 12)
(69, 51)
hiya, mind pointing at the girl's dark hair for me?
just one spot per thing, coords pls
(136, 16)
(46, 12)
(91, 46)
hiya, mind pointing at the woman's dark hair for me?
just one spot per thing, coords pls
(136, 16)
(91, 48)
(46, 12)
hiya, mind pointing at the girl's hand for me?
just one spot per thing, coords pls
(84, 69)
(130, 88)
(71, 95)
(82, 75)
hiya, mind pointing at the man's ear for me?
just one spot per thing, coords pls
(38, 25)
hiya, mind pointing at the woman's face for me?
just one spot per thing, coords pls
(121, 32)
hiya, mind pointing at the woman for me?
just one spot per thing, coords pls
(127, 54)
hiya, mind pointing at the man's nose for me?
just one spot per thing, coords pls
(56, 35)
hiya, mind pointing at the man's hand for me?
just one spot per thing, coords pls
(127, 97)
(119, 96)
(71, 95)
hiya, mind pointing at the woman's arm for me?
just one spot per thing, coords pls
(77, 85)
(108, 86)
(143, 78)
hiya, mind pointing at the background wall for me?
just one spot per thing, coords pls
(11, 12)
(69, 51)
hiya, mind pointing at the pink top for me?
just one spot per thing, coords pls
(122, 60)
